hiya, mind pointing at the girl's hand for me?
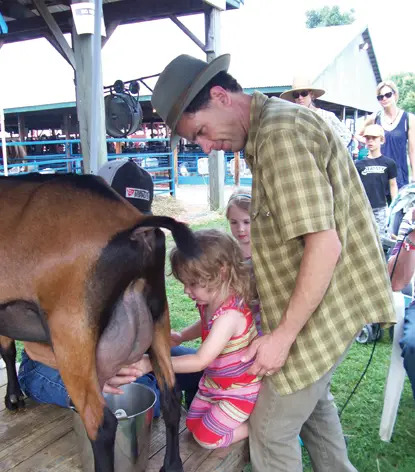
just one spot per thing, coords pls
(175, 338)
(143, 366)
(124, 376)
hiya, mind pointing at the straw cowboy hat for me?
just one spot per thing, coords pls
(178, 85)
(301, 83)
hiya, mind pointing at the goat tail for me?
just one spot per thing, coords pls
(183, 236)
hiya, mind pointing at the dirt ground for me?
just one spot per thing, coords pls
(190, 205)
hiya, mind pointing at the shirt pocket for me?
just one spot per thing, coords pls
(260, 209)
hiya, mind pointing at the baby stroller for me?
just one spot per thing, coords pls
(403, 202)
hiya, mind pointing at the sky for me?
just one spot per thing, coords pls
(34, 73)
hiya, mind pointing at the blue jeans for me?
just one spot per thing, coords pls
(407, 344)
(44, 384)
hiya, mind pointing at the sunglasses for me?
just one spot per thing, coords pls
(386, 95)
(303, 93)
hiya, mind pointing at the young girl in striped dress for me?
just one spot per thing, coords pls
(218, 281)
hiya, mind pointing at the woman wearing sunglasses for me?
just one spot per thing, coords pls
(399, 127)
(304, 94)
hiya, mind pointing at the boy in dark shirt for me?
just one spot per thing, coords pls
(378, 174)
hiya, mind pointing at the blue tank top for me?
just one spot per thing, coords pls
(395, 147)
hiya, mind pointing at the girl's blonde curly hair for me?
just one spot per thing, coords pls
(220, 265)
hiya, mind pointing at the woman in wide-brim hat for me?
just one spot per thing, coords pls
(303, 93)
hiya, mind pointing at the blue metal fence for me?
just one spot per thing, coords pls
(154, 155)
(193, 169)
(63, 155)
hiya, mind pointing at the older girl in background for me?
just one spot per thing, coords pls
(238, 214)
(218, 281)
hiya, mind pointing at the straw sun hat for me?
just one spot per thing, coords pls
(178, 85)
(301, 83)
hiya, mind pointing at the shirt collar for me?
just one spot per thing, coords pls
(257, 105)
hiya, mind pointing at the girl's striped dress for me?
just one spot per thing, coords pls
(227, 394)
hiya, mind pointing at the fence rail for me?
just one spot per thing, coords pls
(64, 155)
(154, 155)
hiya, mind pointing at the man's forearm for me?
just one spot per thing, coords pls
(321, 253)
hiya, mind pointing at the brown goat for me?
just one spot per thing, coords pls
(83, 270)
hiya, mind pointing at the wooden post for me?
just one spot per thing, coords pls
(118, 147)
(82, 45)
(22, 151)
(3, 142)
(237, 157)
(176, 165)
(216, 158)
(66, 130)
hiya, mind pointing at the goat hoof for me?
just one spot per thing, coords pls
(175, 468)
(14, 402)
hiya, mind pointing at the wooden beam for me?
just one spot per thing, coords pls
(109, 29)
(56, 45)
(187, 32)
(56, 31)
(216, 158)
(125, 11)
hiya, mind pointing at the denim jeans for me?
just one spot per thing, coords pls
(407, 344)
(44, 384)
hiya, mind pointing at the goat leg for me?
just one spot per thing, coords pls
(75, 351)
(170, 396)
(14, 398)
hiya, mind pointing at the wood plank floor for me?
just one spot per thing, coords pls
(40, 438)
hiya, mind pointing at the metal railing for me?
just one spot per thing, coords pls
(193, 169)
(64, 155)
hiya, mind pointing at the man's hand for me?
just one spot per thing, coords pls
(270, 352)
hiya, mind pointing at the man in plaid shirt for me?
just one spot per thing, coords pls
(317, 259)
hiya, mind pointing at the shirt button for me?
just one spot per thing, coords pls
(267, 213)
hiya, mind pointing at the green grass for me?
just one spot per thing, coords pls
(361, 417)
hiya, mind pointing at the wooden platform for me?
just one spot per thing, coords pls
(40, 438)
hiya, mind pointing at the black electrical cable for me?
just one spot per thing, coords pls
(363, 373)
(376, 335)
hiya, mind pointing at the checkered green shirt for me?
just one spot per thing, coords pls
(305, 182)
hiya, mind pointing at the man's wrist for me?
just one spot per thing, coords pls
(284, 330)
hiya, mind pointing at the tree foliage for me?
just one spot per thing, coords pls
(406, 86)
(328, 16)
